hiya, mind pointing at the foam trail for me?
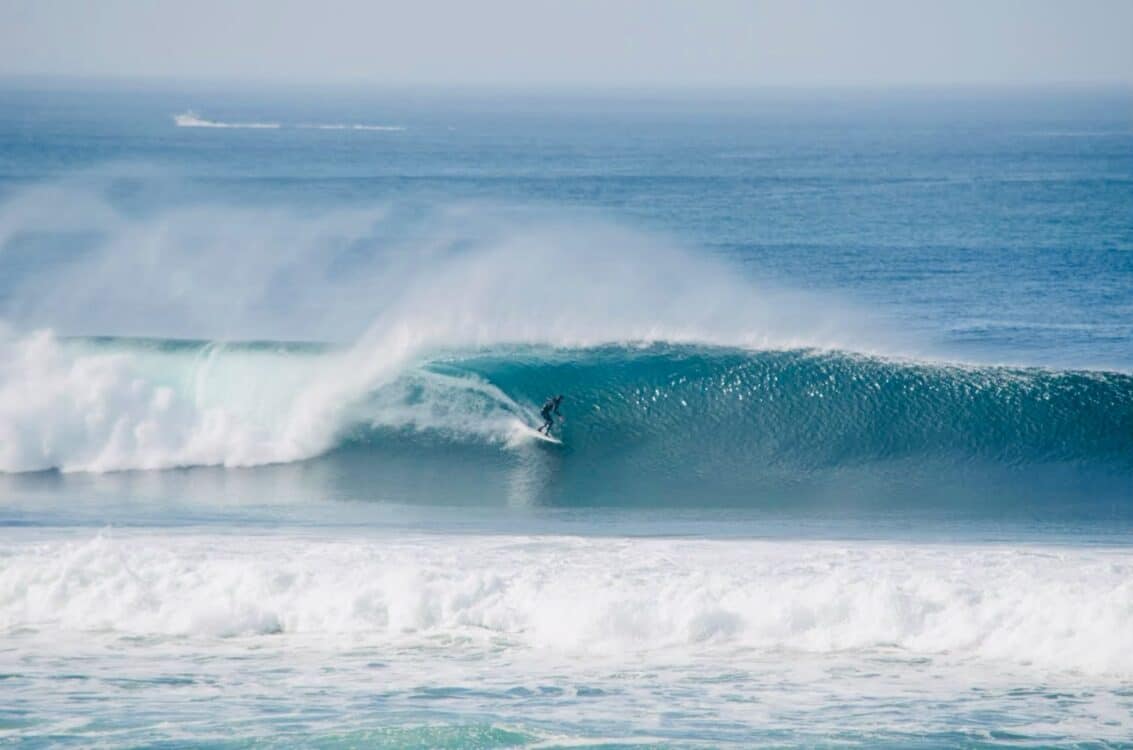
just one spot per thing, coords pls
(354, 126)
(192, 120)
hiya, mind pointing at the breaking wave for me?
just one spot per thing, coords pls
(589, 598)
(109, 404)
(446, 329)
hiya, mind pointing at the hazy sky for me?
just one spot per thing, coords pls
(584, 42)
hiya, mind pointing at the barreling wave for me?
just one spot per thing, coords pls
(665, 410)
(810, 408)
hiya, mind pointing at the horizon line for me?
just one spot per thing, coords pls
(155, 81)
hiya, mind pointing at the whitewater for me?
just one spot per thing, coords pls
(847, 454)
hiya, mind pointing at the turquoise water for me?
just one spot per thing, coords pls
(847, 456)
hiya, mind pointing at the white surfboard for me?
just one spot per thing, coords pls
(545, 437)
(522, 432)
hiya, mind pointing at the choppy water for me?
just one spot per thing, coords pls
(848, 450)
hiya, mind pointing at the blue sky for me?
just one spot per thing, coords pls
(580, 43)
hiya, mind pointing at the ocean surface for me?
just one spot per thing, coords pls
(847, 457)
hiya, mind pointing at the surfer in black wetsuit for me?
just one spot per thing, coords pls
(550, 408)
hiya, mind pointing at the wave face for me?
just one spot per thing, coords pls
(804, 409)
(641, 422)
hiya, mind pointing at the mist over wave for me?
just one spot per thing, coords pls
(464, 274)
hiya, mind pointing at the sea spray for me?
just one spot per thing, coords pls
(454, 275)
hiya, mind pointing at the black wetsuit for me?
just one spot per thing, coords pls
(549, 408)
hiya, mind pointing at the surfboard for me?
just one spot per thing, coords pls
(545, 438)
(524, 431)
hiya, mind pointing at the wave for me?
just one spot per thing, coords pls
(661, 410)
(808, 408)
(589, 597)
(191, 120)
(451, 326)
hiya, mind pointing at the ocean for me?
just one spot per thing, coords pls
(847, 435)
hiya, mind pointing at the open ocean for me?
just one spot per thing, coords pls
(848, 450)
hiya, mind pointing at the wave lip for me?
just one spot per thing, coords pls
(190, 119)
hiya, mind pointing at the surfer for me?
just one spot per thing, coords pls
(549, 409)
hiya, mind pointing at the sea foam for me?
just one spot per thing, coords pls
(1034, 608)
